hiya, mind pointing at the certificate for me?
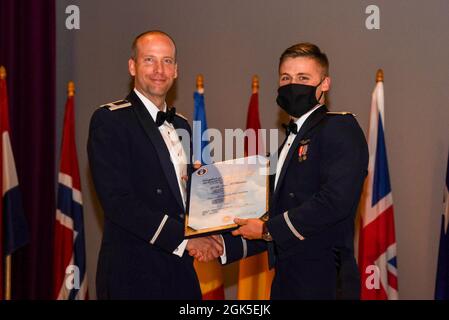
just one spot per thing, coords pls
(225, 190)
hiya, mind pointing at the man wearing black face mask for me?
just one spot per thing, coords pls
(316, 189)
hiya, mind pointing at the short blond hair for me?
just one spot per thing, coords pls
(308, 50)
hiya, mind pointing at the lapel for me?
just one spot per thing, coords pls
(153, 133)
(311, 122)
(178, 124)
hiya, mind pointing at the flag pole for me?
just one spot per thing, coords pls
(255, 89)
(255, 84)
(200, 83)
(379, 75)
(8, 257)
(8, 278)
(199, 90)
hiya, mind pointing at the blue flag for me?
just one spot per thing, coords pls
(442, 280)
(200, 139)
(209, 274)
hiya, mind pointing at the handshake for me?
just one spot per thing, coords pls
(211, 247)
(205, 249)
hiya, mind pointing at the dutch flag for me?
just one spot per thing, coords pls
(13, 226)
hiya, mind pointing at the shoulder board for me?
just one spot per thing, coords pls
(343, 113)
(117, 105)
(181, 116)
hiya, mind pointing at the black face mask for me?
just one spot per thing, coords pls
(297, 99)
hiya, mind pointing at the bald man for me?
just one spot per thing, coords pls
(140, 170)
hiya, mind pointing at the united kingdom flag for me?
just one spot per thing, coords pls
(377, 242)
(70, 280)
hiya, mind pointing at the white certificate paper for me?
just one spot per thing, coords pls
(225, 190)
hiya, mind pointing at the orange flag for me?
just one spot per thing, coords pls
(211, 279)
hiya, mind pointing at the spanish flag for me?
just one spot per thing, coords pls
(254, 275)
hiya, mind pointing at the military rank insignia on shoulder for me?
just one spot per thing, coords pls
(341, 113)
(120, 104)
(181, 116)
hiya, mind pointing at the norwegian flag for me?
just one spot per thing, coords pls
(377, 244)
(70, 279)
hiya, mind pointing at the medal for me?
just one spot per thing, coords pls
(302, 150)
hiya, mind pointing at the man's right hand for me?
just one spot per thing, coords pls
(205, 249)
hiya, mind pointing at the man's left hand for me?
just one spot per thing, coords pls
(249, 228)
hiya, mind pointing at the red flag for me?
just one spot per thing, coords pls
(253, 147)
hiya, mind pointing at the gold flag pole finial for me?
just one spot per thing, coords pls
(2, 72)
(255, 84)
(200, 83)
(380, 75)
(71, 89)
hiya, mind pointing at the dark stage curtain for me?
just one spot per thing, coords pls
(27, 50)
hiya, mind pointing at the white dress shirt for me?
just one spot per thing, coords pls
(177, 154)
(299, 122)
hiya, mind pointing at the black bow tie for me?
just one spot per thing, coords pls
(165, 116)
(291, 127)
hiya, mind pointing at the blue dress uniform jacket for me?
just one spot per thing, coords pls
(315, 199)
(144, 214)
